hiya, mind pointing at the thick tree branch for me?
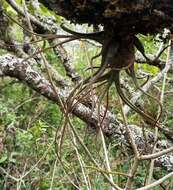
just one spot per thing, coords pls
(50, 28)
(12, 66)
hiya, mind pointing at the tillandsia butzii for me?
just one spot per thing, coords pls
(118, 53)
(122, 21)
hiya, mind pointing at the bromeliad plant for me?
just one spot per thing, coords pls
(121, 21)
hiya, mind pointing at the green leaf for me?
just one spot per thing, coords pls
(3, 159)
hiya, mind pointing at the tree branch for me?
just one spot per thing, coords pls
(12, 66)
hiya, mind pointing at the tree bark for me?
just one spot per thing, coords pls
(12, 66)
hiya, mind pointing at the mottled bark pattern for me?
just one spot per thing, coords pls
(12, 66)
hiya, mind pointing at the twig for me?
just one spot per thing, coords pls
(151, 167)
(53, 174)
(31, 17)
(90, 156)
(106, 157)
(158, 182)
(156, 155)
(151, 82)
(80, 162)
(130, 181)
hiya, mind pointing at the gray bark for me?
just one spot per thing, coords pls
(12, 66)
